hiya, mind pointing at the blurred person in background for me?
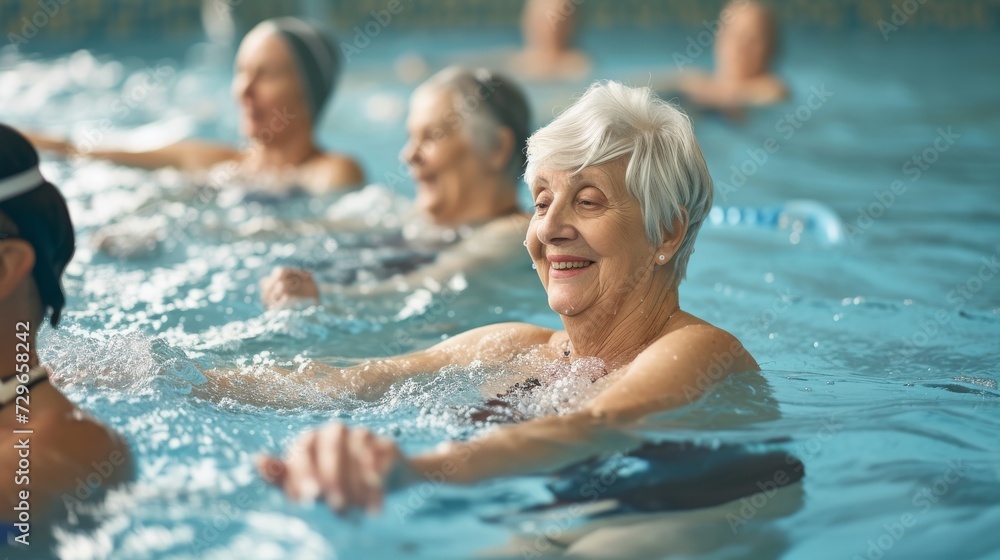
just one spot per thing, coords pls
(745, 46)
(65, 445)
(547, 26)
(286, 70)
(466, 151)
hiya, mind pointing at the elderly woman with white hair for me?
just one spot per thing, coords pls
(467, 134)
(621, 189)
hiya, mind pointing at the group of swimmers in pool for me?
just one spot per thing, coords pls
(620, 191)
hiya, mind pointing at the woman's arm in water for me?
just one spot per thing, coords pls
(188, 155)
(370, 380)
(496, 242)
(699, 356)
(352, 468)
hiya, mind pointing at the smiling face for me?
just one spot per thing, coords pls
(267, 85)
(587, 239)
(442, 160)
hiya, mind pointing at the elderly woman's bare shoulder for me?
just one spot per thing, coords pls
(497, 237)
(515, 224)
(332, 172)
(700, 345)
(499, 341)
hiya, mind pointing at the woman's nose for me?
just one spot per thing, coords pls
(243, 86)
(556, 224)
(409, 152)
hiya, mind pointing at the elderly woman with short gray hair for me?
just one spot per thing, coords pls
(620, 189)
(467, 133)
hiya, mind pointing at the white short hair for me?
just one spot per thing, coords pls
(666, 170)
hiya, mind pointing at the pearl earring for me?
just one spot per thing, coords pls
(663, 258)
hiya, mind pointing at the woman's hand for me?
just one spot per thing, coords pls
(346, 468)
(285, 287)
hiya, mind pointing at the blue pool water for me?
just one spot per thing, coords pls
(880, 352)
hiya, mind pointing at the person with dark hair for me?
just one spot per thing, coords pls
(47, 445)
(286, 70)
(468, 134)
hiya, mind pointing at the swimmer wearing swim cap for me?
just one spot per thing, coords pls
(61, 444)
(286, 71)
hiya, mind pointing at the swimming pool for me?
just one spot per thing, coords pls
(881, 352)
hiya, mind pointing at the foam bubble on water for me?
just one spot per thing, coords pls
(565, 387)
(80, 66)
(126, 362)
(369, 204)
(441, 404)
(415, 304)
(981, 381)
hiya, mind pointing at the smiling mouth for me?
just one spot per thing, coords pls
(567, 265)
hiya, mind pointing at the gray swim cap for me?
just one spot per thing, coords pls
(315, 55)
(483, 93)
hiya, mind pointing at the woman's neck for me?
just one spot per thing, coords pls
(618, 334)
(290, 150)
(495, 197)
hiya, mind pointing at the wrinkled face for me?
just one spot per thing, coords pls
(442, 160)
(267, 87)
(587, 239)
(741, 48)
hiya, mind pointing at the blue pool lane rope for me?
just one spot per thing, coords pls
(805, 216)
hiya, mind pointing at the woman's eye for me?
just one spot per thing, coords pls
(588, 204)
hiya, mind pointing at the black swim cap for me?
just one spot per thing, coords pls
(316, 57)
(39, 211)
